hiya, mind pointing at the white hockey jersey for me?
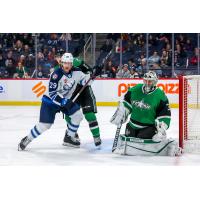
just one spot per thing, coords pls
(62, 85)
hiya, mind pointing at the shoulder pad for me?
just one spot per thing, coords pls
(160, 90)
(57, 74)
(139, 85)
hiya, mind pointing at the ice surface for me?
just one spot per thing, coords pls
(47, 149)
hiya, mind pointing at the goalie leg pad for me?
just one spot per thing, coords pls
(146, 147)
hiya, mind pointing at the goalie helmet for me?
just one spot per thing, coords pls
(150, 80)
(67, 57)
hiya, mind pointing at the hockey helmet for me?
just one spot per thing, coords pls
(67, 57)
(150, 80)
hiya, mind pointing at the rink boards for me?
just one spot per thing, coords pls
(107, 91)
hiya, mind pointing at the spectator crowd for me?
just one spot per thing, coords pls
(18, 53)
(26, 55)
(135, 61)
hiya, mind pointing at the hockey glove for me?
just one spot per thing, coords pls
(97, 71)
(66, 103)
(120, 115)
(161, 132)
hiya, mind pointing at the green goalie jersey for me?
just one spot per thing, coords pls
(146, 108)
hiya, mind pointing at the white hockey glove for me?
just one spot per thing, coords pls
(161, 132)
(120, 115)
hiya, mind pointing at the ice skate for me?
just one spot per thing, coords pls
(23, 144)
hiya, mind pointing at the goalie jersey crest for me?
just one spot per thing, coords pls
(145, 108)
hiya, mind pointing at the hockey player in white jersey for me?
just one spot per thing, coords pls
(62, 84)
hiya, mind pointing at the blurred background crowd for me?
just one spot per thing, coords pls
(24, 55)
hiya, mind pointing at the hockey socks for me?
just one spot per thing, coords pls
(72, 128)
(38, 130)
(34, 133)
(93, 124)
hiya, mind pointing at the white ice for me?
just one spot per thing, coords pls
(47, 149)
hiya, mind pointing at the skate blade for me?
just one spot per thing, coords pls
(70, 145)
(19, 148)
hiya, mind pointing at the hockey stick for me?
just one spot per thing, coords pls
(116, 137)
(93, 76)
(81, 90)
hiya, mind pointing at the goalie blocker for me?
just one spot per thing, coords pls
(145, 132)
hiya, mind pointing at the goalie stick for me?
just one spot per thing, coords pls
(116, 137)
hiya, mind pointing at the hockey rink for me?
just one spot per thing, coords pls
(47, 149)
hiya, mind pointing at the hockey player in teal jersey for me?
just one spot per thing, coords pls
(150, 117)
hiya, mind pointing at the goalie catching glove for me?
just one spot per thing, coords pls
(120, 115)
(161, 132)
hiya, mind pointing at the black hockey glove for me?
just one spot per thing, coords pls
(97, 70)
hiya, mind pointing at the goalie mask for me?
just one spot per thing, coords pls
(150, 80)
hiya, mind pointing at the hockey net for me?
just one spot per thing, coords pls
(189, 113)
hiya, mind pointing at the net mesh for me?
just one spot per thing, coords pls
(191, 114)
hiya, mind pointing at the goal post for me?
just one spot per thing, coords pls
(189, 113)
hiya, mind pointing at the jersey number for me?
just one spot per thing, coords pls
(52, 85)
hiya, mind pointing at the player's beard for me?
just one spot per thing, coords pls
(67, 67)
